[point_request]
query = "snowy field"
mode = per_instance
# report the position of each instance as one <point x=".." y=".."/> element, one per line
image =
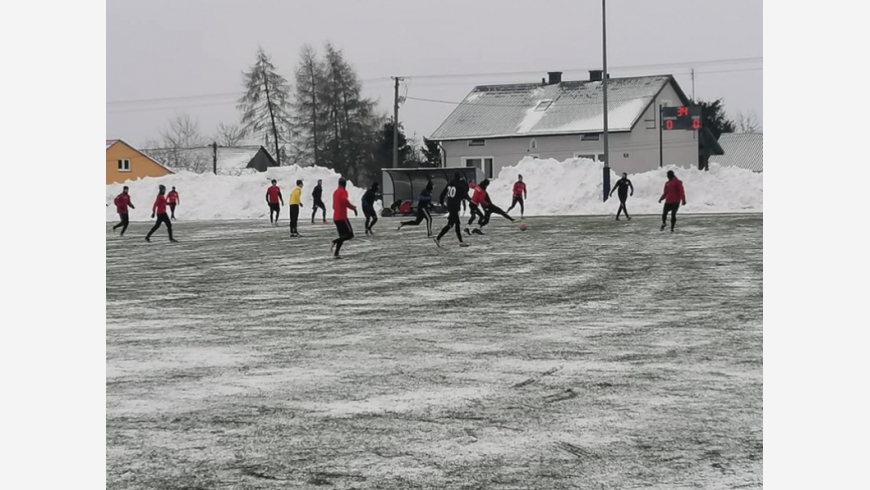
<point x="583" y="353"/>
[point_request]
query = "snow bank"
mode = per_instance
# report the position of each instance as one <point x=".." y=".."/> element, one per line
<point x="572" y="187"/>
<point x="575" y="187"/>
<point x="209" y="196"/>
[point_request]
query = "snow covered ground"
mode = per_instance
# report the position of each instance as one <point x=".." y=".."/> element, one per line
<point x="572" y="187"/>
<point x="584" y="352"/>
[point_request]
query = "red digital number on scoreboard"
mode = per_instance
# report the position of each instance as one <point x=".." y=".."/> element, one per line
<point x="669" y="124"/>
<point x="696" y="123"/>
<point x="682" y="111"/>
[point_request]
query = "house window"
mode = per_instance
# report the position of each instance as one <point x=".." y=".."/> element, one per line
<point x="533" y="145"/>
<point x="482" y="163"/>
<point x="123" y="165"/>
<point x="544" y="105"/>
<point x="592" y="156"/>
<point x="476" y="142"/>
<point x="590" y="137"/>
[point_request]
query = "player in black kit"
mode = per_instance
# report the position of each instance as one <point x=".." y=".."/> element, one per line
<point x="456" y="192"/>
<point x="623" y="185"/>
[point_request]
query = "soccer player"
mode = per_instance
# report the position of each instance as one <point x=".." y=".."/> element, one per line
<point x="159" y="209"/>
<point x="489" y="209"/>
<point x="475" y="203"/>
<point x="519" y="194"/>
<point x="273" y="196"/>
<point x="316" y="196"/>
<point x="340" y="205"/>
<point x="122" y="201"/>
<point x="424" y="203"/>
<point x="673" y="195"/>
<point x="172" y="199"/>
<point x="295" y="204"/>
<point x="455" y="192"/>
<point x="368" y="205"/>
<point x="623" y="185"/>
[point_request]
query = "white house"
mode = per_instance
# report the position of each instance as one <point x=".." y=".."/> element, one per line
<point x="497" y="125"/>
<point x="741" y="150"/>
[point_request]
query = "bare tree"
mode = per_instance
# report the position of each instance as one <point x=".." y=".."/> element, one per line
<point x="230" y="135"/>
<point x="180" y="146"/>
<point x="183" y="132"/>
<point x="747" y="123"/>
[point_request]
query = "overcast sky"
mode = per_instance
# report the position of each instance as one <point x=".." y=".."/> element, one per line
<point x="189" y="55"/>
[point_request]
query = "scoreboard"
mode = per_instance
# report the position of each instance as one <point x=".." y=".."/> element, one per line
<point x="681" y="117"/>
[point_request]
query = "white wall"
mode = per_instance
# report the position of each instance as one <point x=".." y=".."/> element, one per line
<point x="634" y="152"/>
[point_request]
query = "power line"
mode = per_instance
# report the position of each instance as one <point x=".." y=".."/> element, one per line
<point x="473" y="75"/>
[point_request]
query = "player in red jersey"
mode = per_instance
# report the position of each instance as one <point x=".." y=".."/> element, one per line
<point x="519" y="194"/>
<point x="173" y="200"/>
<point x="159" y="209"/>
<point x="273" y="197"/>
<point x="122" y="201"/>
<point x="673" y="195"/>
<point x="340" y="205"/>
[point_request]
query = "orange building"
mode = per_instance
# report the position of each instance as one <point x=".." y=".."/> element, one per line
<point x="123" y="162"/>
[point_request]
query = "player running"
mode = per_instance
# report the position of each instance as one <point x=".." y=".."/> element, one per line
<point x="318" y="202"/>
<point x="519" y="194"/>
<point x="623" y="185"/>
<point x="455" y="192"/>
<point x="340" y="205"/>
<point x="273" y="196"/>
<point x="368" y="205"/>
<point x="475" y="203"/>
<point x="159" y="209"/>
<point x="673" y="194"/>
<point x="489" y="209"/>
<point x="424" y="205"/>
<point x="122" y="201"/>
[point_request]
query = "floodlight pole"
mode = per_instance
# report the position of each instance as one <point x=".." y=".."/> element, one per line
<point x="604" y="85"/>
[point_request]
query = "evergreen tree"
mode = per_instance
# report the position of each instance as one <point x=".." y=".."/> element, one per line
<point x="350" y="120"/>
<point x="713" y="117"/>
<point x="309" y="120"/>
<point x="385" y="147"/>
<point x="265" y="105"/>
<point x="431" y="152"/>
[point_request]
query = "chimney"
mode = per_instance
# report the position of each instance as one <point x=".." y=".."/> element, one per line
<point x="595" y="75"/>
<point x="555" y="77"/>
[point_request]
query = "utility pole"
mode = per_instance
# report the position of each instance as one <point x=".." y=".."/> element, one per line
<point x="604" y="79"/>
<point x="396" y="123"/>
<point x="693" y="85"/>
<point x="214" y="156"/>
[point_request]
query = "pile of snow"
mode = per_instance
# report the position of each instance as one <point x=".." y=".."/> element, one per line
<point x="209" y="196"/>
<point x="572" y="187"/>
<point x="575" y="187"/>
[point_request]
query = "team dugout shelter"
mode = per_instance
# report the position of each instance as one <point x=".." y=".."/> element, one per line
<point x="401" y="187"/>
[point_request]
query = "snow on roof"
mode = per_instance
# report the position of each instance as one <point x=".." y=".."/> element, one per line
<point x="577" y="107"/>
<point x="109" y="143"/>
<point x="742" y="150"/>
<point x="227" y="158"/>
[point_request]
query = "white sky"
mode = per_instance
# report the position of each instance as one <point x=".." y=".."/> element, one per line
<point x="188" y="51"/>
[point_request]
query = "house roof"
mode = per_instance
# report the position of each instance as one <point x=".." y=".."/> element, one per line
<point x="110" y="143"/>
<point x="227" y="158"/>
<point x="492" y="111"/>
<point x="743" y="150"/>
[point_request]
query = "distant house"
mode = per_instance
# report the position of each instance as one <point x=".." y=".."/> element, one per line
<point x="742" y="150"/>
<point x="498" y="125"/>
<point x="123" y="162"/>
<point x="230" y="160"/>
